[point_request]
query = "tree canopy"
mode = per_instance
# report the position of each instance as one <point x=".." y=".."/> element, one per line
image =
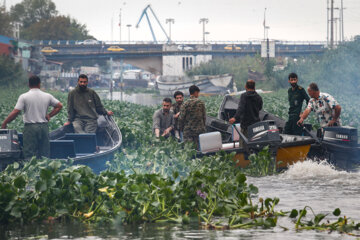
<point x="5" y="20"/>
<point x="39" y="19"/>
<point x="29" y="12"/>
<point x="59" y="28"/>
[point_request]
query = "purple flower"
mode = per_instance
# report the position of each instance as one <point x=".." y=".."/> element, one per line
<point x="203" y="195"/>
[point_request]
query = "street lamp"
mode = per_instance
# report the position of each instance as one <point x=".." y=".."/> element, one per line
<point x="129" y="26"/>
<point x="207" y="33"/>
<point x="170" y="21"/>
<point x="203" y="21"/>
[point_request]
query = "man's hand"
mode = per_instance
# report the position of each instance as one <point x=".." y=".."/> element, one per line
<point x="67" y="123"/>
<point x="232" y="120"/>
<point x="47" y="117"/>
<point x="177" y="115"/>
<point x="166" y="132"/>
<point x="300" y="122"/>
<point x="110" y="113"/>
<point x="332" y="122"/>
<point x="3" y="125"/>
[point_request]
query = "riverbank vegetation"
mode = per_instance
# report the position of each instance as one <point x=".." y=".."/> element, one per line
<point x="150" y="180"/>
<point x="40" y="20"/>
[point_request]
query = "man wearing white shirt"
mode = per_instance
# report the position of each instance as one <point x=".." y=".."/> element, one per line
<point x="35" y="104"/>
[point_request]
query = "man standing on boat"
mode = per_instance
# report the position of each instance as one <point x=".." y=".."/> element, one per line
<point x="296" y="96"/>
<point x="324" y="105"/>
<point x="35" y="104"/>
<point x="163" y="120"/>
<point x="192" y="117"/>
<point x="83" y="106"/>
<point x="179" y="98"/>
<point x="249" y="107"/>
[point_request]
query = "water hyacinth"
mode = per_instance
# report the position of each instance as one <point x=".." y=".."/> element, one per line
<point x="201" y="194"/>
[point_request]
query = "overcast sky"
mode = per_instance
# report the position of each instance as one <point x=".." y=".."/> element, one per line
<point x="233" y="20"/>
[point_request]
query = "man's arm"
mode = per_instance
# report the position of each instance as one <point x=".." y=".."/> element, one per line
<point x="306" y="96"/>
<point x="304" y="116"/>
<point x="55" y="111"/>
<point x="70" y="109"/>
<point x="10" y="118"/>
<point x="336" y="115"/>
<point x="99" y="107"/>
<point x="239" y="111"/>
<point x="182" y="117"/>
<point x="156" y="124"/>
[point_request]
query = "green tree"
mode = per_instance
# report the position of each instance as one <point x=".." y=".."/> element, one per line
<point x="5" y="20"/>
<point x="59" y="28"/>
<point x="29" y="12"/>
<point x="11" y="73"/>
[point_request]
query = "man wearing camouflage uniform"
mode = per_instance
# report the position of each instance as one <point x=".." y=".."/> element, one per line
<point x="192" y="117"/>
<point x="296" y="96"/>
<point x="83" y="106"/>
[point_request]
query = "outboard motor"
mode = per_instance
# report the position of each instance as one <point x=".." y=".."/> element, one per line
<point x="10" y="149"/>
<point x="263" y="134"/>
<point x="341" y="143"/>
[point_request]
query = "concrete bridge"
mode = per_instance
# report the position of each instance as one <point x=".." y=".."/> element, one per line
<point x="172" y="59"/>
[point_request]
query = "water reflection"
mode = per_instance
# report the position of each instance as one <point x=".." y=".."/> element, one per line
<point x="146" y="99"/>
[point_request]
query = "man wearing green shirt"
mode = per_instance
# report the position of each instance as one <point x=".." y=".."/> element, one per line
<point x="296" y="96"/>
<point x="84" y="106"/>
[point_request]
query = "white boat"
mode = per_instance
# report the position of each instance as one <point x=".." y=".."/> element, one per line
<point x="213" y="84"/>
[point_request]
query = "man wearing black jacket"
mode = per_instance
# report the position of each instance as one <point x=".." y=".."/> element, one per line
<point x="249" y="107"/>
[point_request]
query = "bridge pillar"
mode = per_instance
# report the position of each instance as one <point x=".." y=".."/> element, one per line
<point x="176" y="62"/>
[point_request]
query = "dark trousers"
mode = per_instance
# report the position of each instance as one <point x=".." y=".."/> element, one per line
<point x="85" y="125"/>
<point x="36" y="140"/>
<point x="291" y="126"/>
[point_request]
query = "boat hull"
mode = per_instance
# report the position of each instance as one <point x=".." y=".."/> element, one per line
<point x="207" y="84"/>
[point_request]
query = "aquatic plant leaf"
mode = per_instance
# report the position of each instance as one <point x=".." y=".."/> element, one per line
<point x="318" y="218"/>
<point x="294" y="213"/>
<point x="45" y="174"/>
<point x="19" y="182"/>
<point x="41" y="186"/>
<point x="337" y="212"/>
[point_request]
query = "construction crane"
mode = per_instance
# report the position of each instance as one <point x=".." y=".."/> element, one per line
<point x="148" y="20"/>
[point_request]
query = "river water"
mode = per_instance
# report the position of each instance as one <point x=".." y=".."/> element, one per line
<point x="309" y="183"/>
<point x="304" y="184"/>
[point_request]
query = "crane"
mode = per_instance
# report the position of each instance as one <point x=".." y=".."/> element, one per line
<point x="148" y="20"/>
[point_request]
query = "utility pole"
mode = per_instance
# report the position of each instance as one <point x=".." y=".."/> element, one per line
<point x="264" y="24"/>
<point x="120" y="24"/>
<point x="332" y="25"/>
<point x="129" y="26"/>
<point x="327" y="22"/>
<point x="170" y="21"/>
<point x="112" y="29"/>
<point x="204" y="21"/>
<point x="342" y="21"/>
<point x="111" y="79"/>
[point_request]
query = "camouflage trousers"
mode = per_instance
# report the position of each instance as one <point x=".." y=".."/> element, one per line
<point x="85" y="125"/>
<point x="192" y="138"/>
<point x="36" y="140"/>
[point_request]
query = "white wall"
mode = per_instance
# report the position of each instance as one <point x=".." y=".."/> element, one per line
<point x="176" y="65"/>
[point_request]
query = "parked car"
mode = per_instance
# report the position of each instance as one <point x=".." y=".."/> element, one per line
<point x="49" y="50"/>
<point x="115" y="49"/>
<point x="232" y="47"/>
<point x="89" y="42"/>
<point x="183" y="47"/>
